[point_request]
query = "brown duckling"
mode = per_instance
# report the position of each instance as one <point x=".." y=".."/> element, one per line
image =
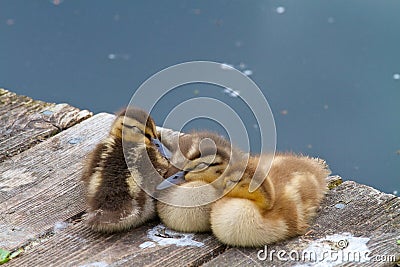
<point x="280" y="208"/>
<point x="115" y="198"/>
<point x="202" y="159"/>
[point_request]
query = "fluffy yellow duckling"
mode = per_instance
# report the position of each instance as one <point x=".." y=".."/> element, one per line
<point x="115" y="200"/>
<point x="201" y="164"/>
<point x="280" y="208"/>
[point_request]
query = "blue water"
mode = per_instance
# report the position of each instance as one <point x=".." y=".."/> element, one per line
<point x="329" y="69"/>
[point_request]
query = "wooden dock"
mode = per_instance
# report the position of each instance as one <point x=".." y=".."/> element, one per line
<point x="42" y="148"/>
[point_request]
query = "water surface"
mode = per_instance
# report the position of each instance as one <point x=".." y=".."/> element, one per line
<point x="329" y="69"/>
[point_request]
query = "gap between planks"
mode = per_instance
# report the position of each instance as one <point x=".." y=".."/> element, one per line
<point x="26" y="122"/>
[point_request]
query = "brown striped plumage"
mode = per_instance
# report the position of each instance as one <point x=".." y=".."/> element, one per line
<point x="114" y="198"/>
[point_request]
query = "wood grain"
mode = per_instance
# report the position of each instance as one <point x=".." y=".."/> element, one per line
<point x="40" y="186"/>
<point x="78" y="245"/>
<point x="25" y="122"/>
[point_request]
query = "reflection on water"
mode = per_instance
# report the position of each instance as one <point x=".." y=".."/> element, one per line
<point x="280" y="10"/>
<point x="230" y="92"/>
<point x="330" y="70"/>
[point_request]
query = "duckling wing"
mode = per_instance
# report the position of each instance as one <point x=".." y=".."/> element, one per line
<point x="92" y="161"/>
<point x="115" y="200"/>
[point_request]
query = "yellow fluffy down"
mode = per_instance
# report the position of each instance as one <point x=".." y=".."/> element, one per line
<point x="187" y="219"/>
<point x="237" y="222"/>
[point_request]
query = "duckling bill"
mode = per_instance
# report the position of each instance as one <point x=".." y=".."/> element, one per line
<point x="175" y="179"/>
<point x="115" y="198"/>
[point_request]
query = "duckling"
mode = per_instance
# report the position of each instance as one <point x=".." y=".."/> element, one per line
<point x="115" y="198"/>
<point x="280" y="208"/>
<point x="202" y="158"/>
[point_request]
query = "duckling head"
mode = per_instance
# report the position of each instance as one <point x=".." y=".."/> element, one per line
<point x="207" y="165"/>
<point x="136" y="126"/>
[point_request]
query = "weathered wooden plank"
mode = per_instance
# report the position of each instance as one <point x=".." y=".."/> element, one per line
<point x="24" y="122"/>
<point x="40" y="186"/>
<point x="78" y="245"/>
<point x="353" y="212"/>
<point x="41" y="190"/>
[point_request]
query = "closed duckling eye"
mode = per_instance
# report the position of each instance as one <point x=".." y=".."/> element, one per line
<point x="204" y="165"/>
<point x="133" y="127"/>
